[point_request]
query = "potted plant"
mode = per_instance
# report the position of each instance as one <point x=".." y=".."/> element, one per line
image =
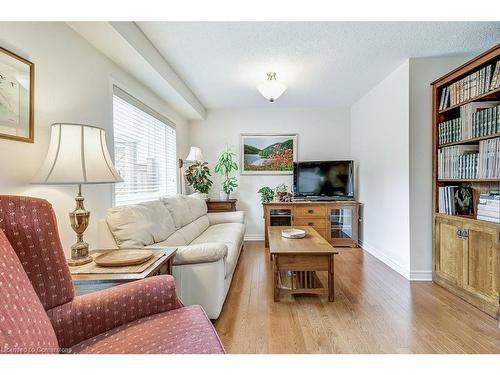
<point x="197" y="176"/>
<point x="266" y="194"/>
<point x="282" y="193"/>
<point x="225" y="166"/>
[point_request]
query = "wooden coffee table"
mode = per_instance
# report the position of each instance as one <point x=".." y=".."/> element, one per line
<point x="295" y="262"/>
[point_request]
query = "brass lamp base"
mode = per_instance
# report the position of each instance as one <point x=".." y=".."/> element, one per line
<point x="79" y="219"/>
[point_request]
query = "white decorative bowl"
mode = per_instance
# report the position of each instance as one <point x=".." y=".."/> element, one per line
<point x="293" y="233"/>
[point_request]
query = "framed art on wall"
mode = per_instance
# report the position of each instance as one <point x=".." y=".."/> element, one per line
<point x="16" y="97"/>
<point x="268" y="153"/>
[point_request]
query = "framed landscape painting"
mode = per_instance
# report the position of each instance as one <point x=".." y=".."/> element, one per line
<point x="16" y="97"/>
<point x="268" y="153"/>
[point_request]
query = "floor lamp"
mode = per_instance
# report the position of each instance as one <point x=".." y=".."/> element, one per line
<point x="194" y="155"/>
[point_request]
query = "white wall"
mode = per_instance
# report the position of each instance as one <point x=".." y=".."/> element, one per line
<point x="379" y="145"/>
<point x="422" y="72"/>
<point x="322" y="135"/>
<point x="72" y="84"/>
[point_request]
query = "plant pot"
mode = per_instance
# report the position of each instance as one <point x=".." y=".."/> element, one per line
<point x="224" y="196"/>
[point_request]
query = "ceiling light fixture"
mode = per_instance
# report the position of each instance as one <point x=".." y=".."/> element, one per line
<point x="271" y="89"/>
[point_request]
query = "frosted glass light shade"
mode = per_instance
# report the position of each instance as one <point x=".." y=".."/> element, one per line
<point x="77" y="155"/>
<point x="271" y="89"/>
<point x="195" y="154"/>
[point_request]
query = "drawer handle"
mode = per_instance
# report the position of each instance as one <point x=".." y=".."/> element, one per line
<point x="310" y="211"/>
<point x="310" y="223"/>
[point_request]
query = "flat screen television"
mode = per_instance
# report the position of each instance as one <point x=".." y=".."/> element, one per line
<point x="324" y="180"/>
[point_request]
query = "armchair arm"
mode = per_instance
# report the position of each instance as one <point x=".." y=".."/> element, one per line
<point x="91" y="314"/>
<point x="200" y="253"/>
<point x="226" y="217"/>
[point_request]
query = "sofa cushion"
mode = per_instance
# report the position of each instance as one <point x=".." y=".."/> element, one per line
<point x="229" y="233"/>
<point x="200" y="253"/>
<point x="197" y="206"/>
<point x="140" y="224"/>
<point x="192" y="230"/>
<point x="178" y="208"/>
<point x="24" y="325"/>
<point x="185" y="209"/>
<point x="185" y="330"/>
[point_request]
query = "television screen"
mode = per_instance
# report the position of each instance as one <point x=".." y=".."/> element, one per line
<point x="324" y="179"/>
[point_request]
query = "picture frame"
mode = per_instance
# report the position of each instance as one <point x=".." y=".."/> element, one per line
<point x="268" y="154"/>
<point x="17" y="87"/>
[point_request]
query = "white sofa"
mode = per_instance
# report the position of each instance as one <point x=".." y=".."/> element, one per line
<point x="209" y="244"/>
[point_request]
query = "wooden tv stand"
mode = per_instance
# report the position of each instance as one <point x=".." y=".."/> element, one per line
<point x="336" y="221"/>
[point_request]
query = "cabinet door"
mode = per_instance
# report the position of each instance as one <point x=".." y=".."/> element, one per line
<point x="482" y="261"/>
<point x="449" y="251"/>
<point x="342" y="225"/>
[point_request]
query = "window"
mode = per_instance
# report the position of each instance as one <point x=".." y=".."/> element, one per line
<point x="145" y="151"/>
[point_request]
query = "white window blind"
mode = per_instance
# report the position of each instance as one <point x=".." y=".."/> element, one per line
<point x="145" y="151"/>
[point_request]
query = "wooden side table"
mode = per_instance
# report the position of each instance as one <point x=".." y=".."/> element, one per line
<point x="216" y="205"/>
<point x="92" y="281"/>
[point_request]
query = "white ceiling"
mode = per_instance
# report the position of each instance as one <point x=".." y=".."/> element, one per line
<point x="324" y="64"/>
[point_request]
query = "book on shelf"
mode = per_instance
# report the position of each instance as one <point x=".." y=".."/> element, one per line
<point x="489" y="158"/>
<point x="495" y="81"/>
<point x="458" y="162"/>
<point x="455" y="200"/>
<point x="471" y="86"/>
<point x="486" y="122"/>
<point x="477" y="119"/>
<point x="488" y="208"/>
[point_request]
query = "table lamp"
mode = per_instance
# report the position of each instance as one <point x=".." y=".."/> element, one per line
<point x="77" y="155"/>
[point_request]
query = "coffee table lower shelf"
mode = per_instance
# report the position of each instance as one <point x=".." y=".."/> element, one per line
<point x="300" y="282"/>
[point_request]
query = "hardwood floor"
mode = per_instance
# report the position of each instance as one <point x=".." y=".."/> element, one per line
<point x="375" y="311"/>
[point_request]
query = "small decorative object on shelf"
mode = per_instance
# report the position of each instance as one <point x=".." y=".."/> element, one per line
<point x="225" y="167"/>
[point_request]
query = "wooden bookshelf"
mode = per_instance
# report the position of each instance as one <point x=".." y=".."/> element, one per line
<point x="466" y="251"/>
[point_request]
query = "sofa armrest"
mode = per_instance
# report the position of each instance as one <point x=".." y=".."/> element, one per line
<point x="226" y="217"/>
<point x="200" y="253"/>
<point x="91" y="314"/>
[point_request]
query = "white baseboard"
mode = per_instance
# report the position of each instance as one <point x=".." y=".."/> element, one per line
<point x="254" y="237"/>
<point x="403" y="271"/>
<point x="421" y="275"/>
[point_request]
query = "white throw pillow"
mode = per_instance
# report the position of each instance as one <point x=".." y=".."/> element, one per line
<point x="197" y="206"/>
<point x="140" y="224"/>
<point x="179" y="209"/>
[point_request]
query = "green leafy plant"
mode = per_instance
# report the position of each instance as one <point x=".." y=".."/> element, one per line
<point x="197" y="176"/>
<point x="224" y="167"/>
<point x="282" y="193"/>
<point x="266" y="194"/>
<point x="282" y="188"/>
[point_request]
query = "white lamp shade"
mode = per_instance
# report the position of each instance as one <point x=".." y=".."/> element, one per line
<point x="77" y="155"/>
<point x="195" y="154"/>
<point x="271" y="89"/>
